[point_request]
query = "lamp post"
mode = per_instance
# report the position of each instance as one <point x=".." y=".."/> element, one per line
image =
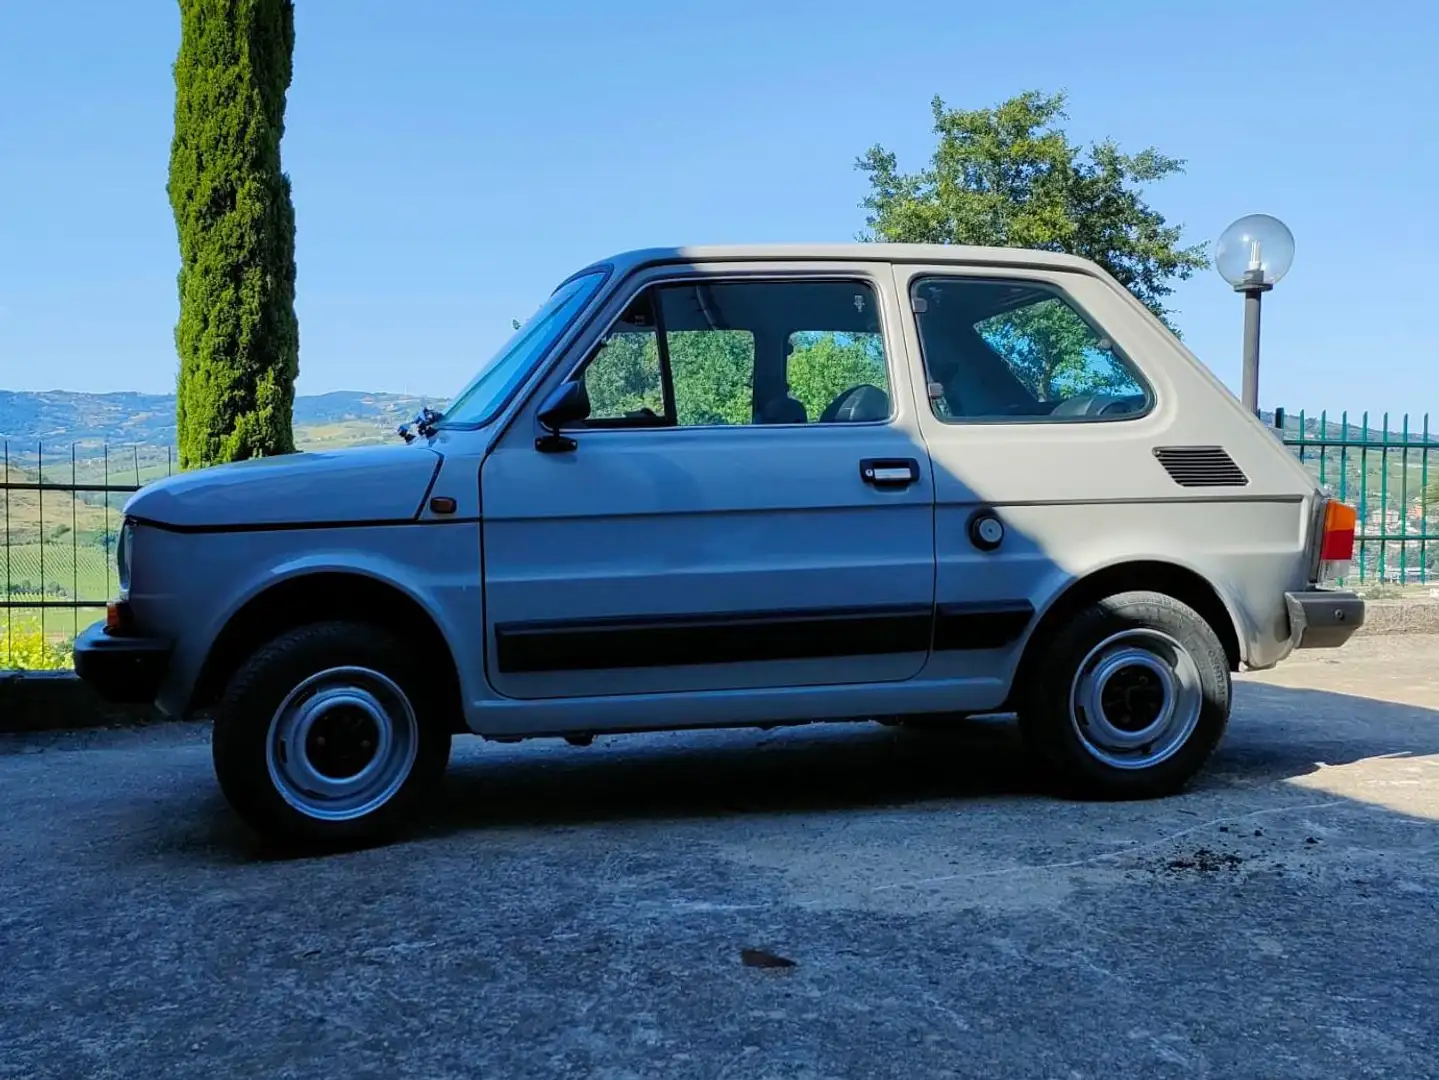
<point x="1252" y="255"/>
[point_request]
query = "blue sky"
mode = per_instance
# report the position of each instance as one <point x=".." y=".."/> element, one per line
<point x="452" y="161"/>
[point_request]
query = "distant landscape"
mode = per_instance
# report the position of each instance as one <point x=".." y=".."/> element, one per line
<point x="59" y="419"/>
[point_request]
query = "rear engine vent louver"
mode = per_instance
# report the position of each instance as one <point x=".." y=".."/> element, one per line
<point x="1200" y="466"/>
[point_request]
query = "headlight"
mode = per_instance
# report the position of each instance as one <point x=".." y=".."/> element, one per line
<point x="122" y="555"/>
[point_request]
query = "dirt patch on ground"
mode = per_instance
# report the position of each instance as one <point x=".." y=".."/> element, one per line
<point x="1204" y="861"/>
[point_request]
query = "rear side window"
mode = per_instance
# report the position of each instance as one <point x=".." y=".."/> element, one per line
<point x="997" y="351"/>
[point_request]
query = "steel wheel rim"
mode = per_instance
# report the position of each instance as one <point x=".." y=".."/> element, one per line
<point x="1136" y="699"/>
<point x="342" y="743"/>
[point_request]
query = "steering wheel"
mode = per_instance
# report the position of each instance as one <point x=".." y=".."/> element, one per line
<point x="859" y="404"/>
<point x="1094" y="405"/>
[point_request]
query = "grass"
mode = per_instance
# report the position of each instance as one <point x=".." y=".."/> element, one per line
<point x="31" y="517"/>
<point x="60" y="571"/>
<point x="341" y="434"/>
<point x="39" y="638"/>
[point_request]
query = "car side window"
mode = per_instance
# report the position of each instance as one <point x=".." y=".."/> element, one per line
<point x="1019" y="352"/>
<point x="739" y="353"/>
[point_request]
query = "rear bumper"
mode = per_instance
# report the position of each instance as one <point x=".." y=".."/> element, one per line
<point x="124" y="670"/>
<point x="1323" y="618"/>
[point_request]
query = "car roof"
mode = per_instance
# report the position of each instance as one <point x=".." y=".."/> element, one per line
<point x="953" y="254"/>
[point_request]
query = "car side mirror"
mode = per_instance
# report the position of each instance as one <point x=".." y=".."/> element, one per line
<point x="568" y="403"/>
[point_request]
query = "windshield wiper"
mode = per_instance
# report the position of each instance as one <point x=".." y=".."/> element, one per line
<point x="424" y="425"/>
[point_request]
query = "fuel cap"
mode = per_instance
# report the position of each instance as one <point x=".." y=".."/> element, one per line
<point x="986" y="531"/>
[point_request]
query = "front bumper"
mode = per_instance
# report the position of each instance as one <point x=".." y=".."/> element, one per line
<point x="123" y="669"/>
<point x="1323" y="618"/>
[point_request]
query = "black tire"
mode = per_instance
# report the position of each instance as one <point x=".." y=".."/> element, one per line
<point x="1084" y="749"/>
<point x="247" y="723"/>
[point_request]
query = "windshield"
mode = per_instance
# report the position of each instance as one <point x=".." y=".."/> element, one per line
<point x="497" y="379"/>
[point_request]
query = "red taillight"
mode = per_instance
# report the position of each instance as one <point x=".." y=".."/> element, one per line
<point x="1336" y="547"/>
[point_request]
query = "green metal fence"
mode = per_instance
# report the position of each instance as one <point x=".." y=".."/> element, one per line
<point x="1387" y="475"/>
<point x="59" y="516"/>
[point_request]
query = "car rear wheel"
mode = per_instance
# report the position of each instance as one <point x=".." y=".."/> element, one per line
<point x="1129" y="698"/>
<point x="329" y="735"/>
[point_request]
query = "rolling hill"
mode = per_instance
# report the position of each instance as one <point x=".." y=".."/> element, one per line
<point x="62" y="418"/>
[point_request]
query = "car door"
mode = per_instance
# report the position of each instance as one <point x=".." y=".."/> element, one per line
<point x="748" y="504"/>
<point x="1041" y="428"/>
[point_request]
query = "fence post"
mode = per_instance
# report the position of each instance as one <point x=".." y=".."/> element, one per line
<point x="1344" y="456"/>
<point x="1424" y="507"/>
<point x="40" y="476"/>
<point x="1363" y="488"/>
<point x="1383" y="498"/>
<point x="107" y="517"/>
<point x="1404" y="506"/>
<point x="1323" y="442"/>
<point x="74" y="546"/>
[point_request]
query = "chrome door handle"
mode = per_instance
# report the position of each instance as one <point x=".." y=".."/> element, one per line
<point x="889" y="472"/>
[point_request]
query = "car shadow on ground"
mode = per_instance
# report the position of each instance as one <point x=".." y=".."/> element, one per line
<point x="700" y="774"/>
<point x="1277" y="733"/>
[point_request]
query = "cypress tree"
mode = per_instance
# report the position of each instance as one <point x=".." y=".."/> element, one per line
<point x="237" y="335"/>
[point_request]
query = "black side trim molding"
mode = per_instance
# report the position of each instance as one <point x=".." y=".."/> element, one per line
<point x="737" y="637"/>
<point x="988" y="625"/>
<point x="753" y="636"/>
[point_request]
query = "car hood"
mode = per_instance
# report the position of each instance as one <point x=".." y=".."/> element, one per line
<point x="364" y="484"/>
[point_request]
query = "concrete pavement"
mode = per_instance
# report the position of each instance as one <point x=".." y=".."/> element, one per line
<point x="581" y="912"/>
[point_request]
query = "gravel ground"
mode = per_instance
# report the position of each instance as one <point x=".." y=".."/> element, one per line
<point x="585" y="912"/>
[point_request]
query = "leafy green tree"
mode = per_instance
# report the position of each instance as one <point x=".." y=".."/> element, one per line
<point x="237" y="335"/>
<point x="1009" y="176"/>
<point x="713" y="372"/>
<point x="714" y="376"/>
<point x="824" y="365"/>
<point x="624" y="378"/>
<point x="1054" y="353"/>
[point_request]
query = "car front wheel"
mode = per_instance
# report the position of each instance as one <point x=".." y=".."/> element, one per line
<point x="1129" y="698"/>
<point x="329" y="735"/>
